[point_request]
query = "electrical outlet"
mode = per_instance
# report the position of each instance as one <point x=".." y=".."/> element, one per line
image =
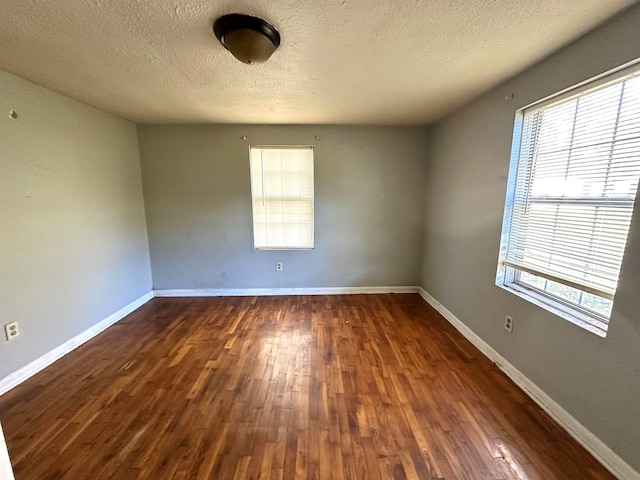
<point x="508" y="323"/>
<point x="279" y="266"/>
<point x="11" y="330"/>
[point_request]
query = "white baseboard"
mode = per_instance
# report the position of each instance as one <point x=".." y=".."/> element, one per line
<point x="261" y="292"/>
<point x="607" y="457"/>
<point x="16" y="378"/>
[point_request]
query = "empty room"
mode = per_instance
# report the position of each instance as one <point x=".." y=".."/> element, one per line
<point x="325" y="240"/>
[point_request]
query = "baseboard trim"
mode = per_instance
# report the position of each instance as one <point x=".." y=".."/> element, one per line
<point x="261" y="292"/>
<point x="16" y="378"/>
<point x="607" y="457"/>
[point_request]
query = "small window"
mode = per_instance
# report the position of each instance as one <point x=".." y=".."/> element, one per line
<point x="282" y="197"/>
<point x="572" y="185"/>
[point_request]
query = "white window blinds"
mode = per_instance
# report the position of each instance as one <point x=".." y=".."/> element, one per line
<point x="576" y="182"/>
<point x="282" y="197"/>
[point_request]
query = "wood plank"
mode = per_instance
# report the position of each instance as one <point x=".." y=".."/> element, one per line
<point x="335" y="387"/>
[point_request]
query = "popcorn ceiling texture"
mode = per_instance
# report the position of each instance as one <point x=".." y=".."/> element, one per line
<point x="395" y="62"/>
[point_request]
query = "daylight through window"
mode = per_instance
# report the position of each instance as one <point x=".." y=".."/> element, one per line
<point x="282" y="197"/>
<point x="573" y="182"/>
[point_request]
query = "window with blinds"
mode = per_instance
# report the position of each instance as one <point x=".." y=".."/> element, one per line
<point x="282" y="197"/>
<point x="571" y="196"/>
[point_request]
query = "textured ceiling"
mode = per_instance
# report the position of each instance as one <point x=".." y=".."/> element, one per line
<point x="403" y="62"/>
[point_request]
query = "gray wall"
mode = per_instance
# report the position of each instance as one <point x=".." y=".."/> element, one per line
<point x="597" y="380"/>
<point x="73" y="239"/>
<point x="368" y="207"/>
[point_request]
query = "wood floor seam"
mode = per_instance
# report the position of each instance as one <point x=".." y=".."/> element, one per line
<point x="375" y="386"/>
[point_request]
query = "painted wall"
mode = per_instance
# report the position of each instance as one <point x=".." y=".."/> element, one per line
<point x="73" y="239"/>
<point x="597" y="380"/>
<point x="368" y="207"/>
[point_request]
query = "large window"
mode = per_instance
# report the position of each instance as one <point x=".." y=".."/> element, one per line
<point x="282" y="197"/>
<point x="572" y="185"/>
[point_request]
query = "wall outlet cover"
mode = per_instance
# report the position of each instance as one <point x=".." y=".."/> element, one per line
<point x="11" y="330"/>
<point x="508" y="323"/>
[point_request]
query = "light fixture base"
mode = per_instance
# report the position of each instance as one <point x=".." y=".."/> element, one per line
<point x="249" y="39"/>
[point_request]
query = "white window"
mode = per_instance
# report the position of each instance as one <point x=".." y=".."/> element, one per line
<point x="282" y="197"/>
<point x="572" y="184"/>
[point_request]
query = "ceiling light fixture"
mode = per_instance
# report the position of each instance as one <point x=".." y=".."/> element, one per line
<point x="249" y="39"/>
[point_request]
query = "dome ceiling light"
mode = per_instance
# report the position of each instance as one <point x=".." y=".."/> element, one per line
<point x="249" y="39"/>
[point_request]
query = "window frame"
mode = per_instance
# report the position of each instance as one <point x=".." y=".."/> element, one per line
<point x="508" y="276"/>
<point x="253" y="223"/>
<point x="570" y="311"/>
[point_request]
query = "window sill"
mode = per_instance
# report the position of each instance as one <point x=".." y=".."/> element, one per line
<point x="561" y="310"/>
<point x="282" y="248"/>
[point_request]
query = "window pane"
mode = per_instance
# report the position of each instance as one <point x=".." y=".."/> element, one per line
<point x="532" y="280"/>
<point x="282" y="191"/>
<point x="572" y="187"/>
<point x="563" y="291"/>
<point x="600" y="305"/>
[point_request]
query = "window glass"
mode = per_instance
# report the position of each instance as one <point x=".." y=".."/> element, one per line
<point x="572" y="186"/>
<point x="282" y="197"/>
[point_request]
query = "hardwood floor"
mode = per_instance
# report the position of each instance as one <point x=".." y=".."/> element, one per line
<point x="354" y="386"/>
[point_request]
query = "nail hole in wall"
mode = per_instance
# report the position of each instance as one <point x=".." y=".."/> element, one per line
<point x="13" y="114"/>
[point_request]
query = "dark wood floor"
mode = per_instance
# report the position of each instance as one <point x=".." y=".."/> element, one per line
<point x="354" y="386"/>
